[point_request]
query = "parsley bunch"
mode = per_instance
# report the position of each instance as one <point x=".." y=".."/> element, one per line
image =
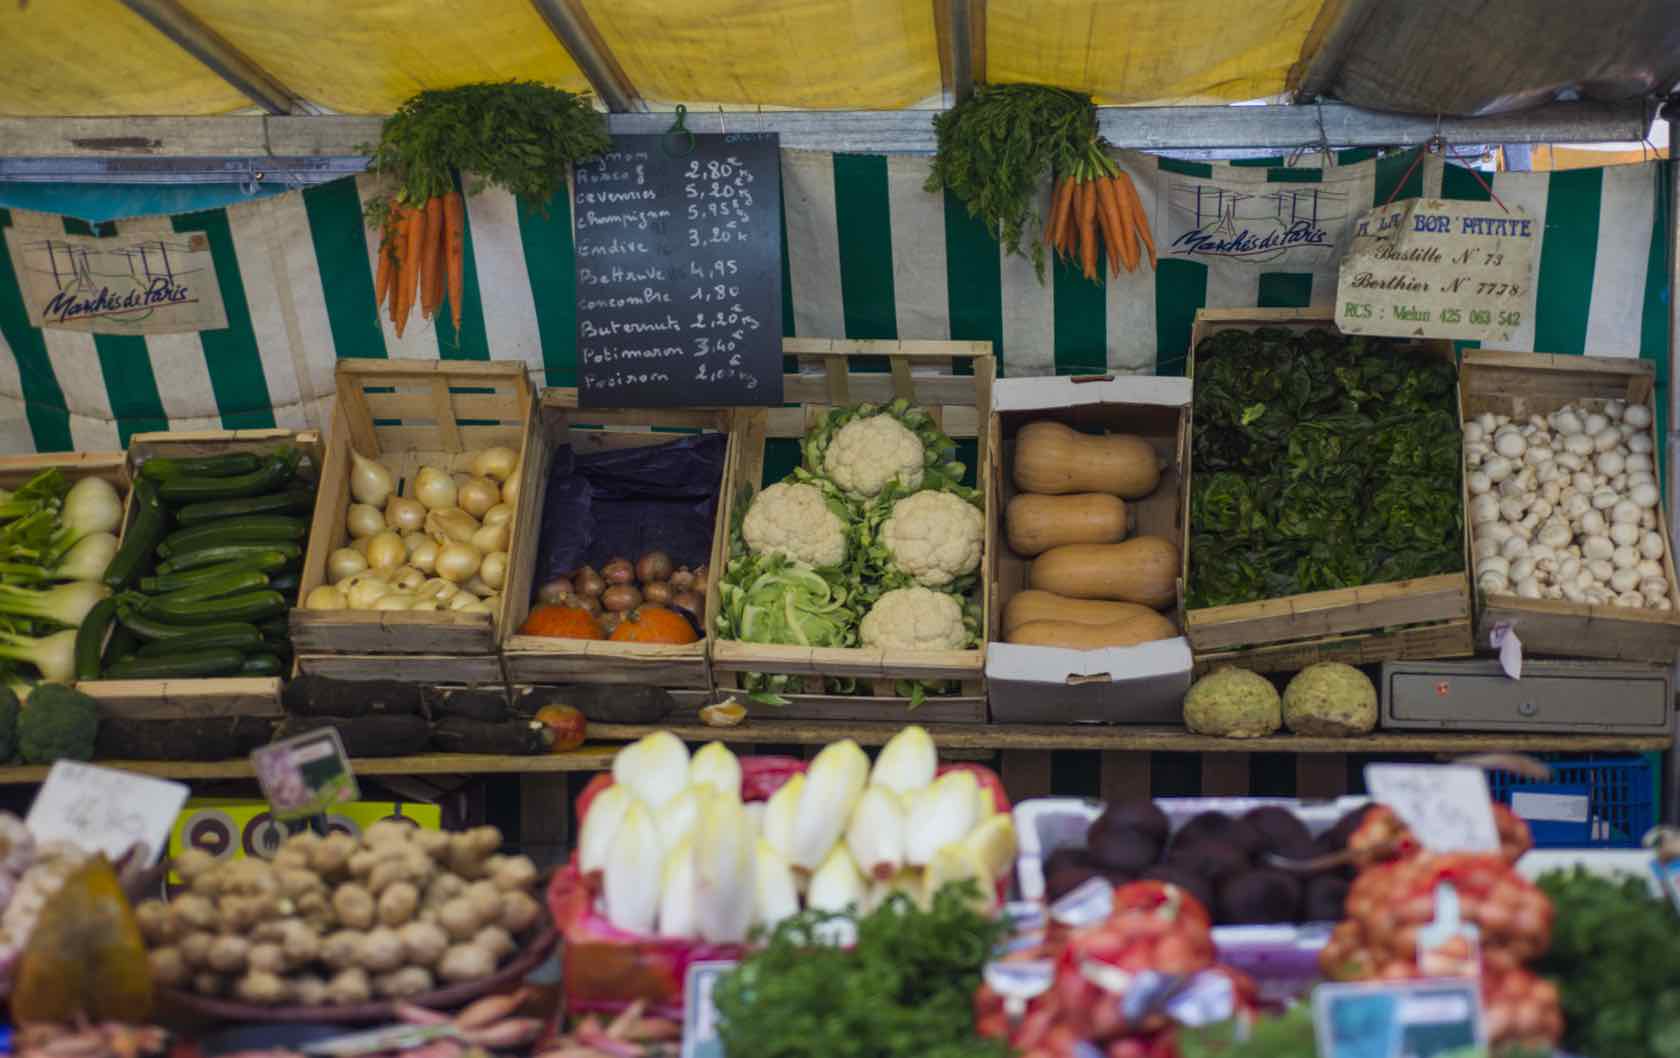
<point x="905" y="988"/>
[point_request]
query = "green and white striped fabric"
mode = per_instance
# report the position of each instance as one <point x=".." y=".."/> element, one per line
<point x="869" y="254"/>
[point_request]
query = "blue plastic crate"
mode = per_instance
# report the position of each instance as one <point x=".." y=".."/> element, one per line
<point x="1590" y="802"/>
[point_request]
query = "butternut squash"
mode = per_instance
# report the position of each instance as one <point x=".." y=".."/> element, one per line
<point x="1036" y="524"/>
<point x="1146" y="627"/>
<point x="1054" y="459"/>
<point x="1027" y="606"/>
<point x="1141" y="570"/>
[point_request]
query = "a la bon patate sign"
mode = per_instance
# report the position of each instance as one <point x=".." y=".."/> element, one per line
<point x="1439" y="268"/>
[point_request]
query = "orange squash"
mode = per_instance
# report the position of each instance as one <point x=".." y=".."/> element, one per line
<point x="652" y="623"/>
<point x="562" y="622"/>
<point x="1143" y="570"/>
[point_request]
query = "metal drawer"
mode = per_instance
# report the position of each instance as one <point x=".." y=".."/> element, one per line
<point x="1583" y="696"/>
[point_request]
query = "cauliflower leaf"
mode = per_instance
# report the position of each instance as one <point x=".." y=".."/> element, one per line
<point x="866" y="448"/>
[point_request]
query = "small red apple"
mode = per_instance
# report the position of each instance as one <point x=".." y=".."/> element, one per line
<point x="566" y="724"/>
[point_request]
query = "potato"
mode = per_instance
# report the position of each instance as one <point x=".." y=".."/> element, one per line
<point x="423" y="943"/>
<point x="260" y="986"/>
<point x="460" y="918"/>
<point x="192" y="911"/>
<point x="192" y="863"/>
<point x="267" y="958"/>
<point x="466" y="962"/>
<point x="398" y="904"/>
<point x="353" y="905"/>
<point x="519" y="912"/>
<point x="169" y="967"/>
<point x="195" y="949"/>
<point x="404" y="983"/>
<point x="349" y="986"/>
<point x="495" y="940"/>
<point x="155" y="922"/>
<point x="228" y="954"/>
<point x="331" y="857"/>
<point x="509" y="873"/>
<point x="381" y="951"/>
<point x="339" y="950"/>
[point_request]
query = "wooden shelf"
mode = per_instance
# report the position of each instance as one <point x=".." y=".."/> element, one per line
<point x="587" y="759"/>
<point x="1130" y="739"/>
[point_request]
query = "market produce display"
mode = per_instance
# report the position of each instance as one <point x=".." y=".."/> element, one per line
<point x="1564" y="506"/>
<point x="674" y="850"/>
<point x="442" y="547"/>
<point x="521" y="135"/>
<point x="207" y="570"/>
<point x="57" y="541"/>
<point x="1395" y="896"/>
<point x="1320" y="461"/>
<point x="340" y="920"/>
<point x="1615" y="957"/>
<point x="873" y="541"/>
<point x="1226" y="862"/>
<point x="646" y="601"/>
<point x="1327" y="699"/>
<point x="1152" y="927"/>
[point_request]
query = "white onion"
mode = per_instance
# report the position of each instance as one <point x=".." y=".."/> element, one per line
<point x="363" y="521"/>
<point x="345" y="562"/>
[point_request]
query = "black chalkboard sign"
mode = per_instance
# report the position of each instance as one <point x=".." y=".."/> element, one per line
<point x="680" y="272"/>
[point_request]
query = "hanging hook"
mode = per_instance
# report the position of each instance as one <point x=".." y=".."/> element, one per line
<point x="678" y="128"/>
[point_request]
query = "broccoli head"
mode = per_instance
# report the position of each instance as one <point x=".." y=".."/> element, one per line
<point x="59" y="723"/>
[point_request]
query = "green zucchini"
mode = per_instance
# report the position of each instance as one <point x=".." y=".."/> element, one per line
<point x="213" y="588"/>
<point x="225" y="553"/>
<point x="274" y="472"/>
<point x="233" y="634"/>
<point x="250" y="529"/>
<point x="262" y="663"/>
<point x="90" y="637"/>
<point x="229" y="464"/>
<point x="271" y="562"/>
<point x="217" y="661"/>
<point x="250" y="606"/>
<point x="286" y="583"/>
<point x="122" y="644"/>
<point x="276" y="628"/>
<point x="295" y="500"/>
<point x="150" y="628"/>
<point x="151" y="521"/>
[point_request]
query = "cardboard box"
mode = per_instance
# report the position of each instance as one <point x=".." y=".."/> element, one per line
<point x="1143" y="684"/>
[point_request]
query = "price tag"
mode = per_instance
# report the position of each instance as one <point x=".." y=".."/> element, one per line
<point x="106" y="810"/>
<point x="1413" y="1019"/>
<point x="305" y="775"/>
<point x="1446" y="806"/>
<point x="700" y="1017"/>
<point x="1438" y="268"/>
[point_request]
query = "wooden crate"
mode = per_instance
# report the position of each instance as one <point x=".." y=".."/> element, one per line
<point x="1522" y="384"/>
<point x="174" y="699"/>
<point x="408" y="414"/>
<point x="1444" y="639"/>
<point x="923" y="372"/>
<point x="1235" y="631"/>
<point x="546" y="660"/>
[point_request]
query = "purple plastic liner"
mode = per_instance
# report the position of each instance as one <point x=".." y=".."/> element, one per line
<point x="628" y="501"/>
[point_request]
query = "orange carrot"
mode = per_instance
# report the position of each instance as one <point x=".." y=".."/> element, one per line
<point x="382" y="274"/>
<point x="1061" y="207"/>
<point x="414" y="231"/>
<point x="1088" y="230"/>
<point x="397" y="235"/>
<point x="455" y="226"/>
<point x="1128" y="192"/>
<point x="1121" y="219"/>
<point x="1113" y="234"/>
<point x="430" y="286"/>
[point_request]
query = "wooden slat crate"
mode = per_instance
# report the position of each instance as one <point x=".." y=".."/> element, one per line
<point x="174" y="699"/>
<point x="547" y="660"/>
<point x="1443" y="639"/>
<point x="408" y="414"/>
<point x="923" y="372"/>
<point x="1523" y="384"/>
<point x="1236" y="631"/>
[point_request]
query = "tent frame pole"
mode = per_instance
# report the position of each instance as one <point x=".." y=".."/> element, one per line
<point x="1671" y="112"/>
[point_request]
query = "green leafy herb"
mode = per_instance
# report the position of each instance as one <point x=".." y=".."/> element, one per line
<point x="1320" y="461"/>
<point x="1615" y="956"/>
<point x="905" y="988"/>
<point x="519" y="135"/>
<point x="1290" y="1035"/>
<point x="997" y="146"/>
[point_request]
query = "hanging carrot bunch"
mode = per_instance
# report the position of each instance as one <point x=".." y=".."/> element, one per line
<point x="1095" y="199"/>
<point x="520" y="136"/>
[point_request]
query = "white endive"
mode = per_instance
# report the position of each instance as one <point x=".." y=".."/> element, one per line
<point x="907" y="762"/>
<point x="985" y="805"/>
<point x="993" y="844"/>
<point x="908" y="881"/>
<point x="634" y="866"/>
<point x="958" y="862"/>
<point x="714" y="764"/>
<point x="779" y="813"/>
<point x="676" y="818"/>
<point x="676" y="892"/>
<point x="775" y="896"/>
<point x="755" y="816"/>
<point x="875" y="834"/>
<point x="654" y="767"/>
<point x="939" y="815"/>
<point x="837" y="885"/>
<point x="723" y="871"/>
<point x="600" y="826"/>
<point x="836" y="777"/>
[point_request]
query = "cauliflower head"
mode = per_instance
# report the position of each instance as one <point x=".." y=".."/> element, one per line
<point x="866" y="455"/>
<point x="1233" y="703"/>
<point x="934" y="537"/>
<point x="1332" y="699"/>
<point x="795" y="520"/>
<point x="915" y="619"/>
